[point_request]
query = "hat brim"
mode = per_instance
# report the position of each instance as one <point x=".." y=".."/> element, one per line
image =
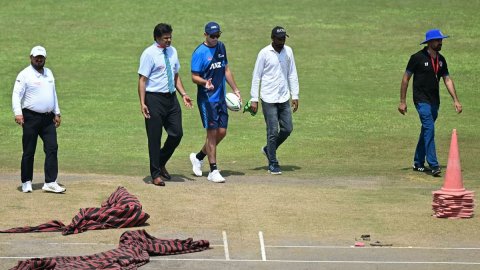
<point x="211" y="33"/>
<point x="281" y="35"/>
<point x="432" y="38"/>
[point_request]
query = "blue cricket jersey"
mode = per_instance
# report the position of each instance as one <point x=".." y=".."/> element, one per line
<point x="210" y="63"/>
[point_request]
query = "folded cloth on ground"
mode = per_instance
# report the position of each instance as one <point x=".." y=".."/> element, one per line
<point x="120" y="210"/>
<point x="134" y="250"/>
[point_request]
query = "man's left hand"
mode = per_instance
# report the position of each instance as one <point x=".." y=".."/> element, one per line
<point x="458" y="107"/>
<point x="57" y="120"/>
<point x="187" y="101"/>
<point x="295" y="105"/>
<point x="237" y="93"/>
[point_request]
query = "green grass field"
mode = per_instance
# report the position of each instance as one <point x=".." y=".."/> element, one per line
<point x="350" y="57"/>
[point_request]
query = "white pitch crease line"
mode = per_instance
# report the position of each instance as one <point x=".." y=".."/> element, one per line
<point x="73" y="243"/>
<point x="273" y="246"/>
<point x="225" y="246"/>
<point x="262" y="246"/>
<point x="93" y="244"/>
<point x="373" y="247"/>
<point x="288" y="261"/>
<point x="303" y="261"/>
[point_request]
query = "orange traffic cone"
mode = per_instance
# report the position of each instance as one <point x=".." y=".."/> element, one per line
<point x="452" y="200"/>
<point x="453" y="177"/>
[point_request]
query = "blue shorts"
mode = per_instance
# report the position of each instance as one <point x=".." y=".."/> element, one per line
<point x="213" y="114"/>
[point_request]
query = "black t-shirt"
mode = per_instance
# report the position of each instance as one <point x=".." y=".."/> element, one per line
<point x="425" y="81"/>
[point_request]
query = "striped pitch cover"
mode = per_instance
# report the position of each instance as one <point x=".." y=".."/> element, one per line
<point x="120" y="210"/>
<point x="134" y="250"/>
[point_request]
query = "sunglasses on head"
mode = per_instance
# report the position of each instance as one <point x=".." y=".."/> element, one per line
<point x="214" y="36"/>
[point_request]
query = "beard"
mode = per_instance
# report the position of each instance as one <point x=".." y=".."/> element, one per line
<point x="38" y="65"/>
<point x="278" y="47"/>
<point x="437" y="48"/>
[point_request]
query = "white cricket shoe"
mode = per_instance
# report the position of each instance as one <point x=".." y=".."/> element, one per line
<point x="27" y="187"/>
<point x="53" y="187"/>
<point x="215" y="176"/>
<point x="196" y="164"/>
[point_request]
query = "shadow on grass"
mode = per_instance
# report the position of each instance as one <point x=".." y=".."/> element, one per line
<point x="175" y="178"/>
<point x="285" y="168"/>
<point x="226" y="173"/>
<point x="427" y="171"/>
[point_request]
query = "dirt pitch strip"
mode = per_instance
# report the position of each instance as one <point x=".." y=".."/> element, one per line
<point x="266" y="256"/>
<point x="239" y="246"/>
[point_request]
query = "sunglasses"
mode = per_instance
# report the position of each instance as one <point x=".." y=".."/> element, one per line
<point x="214" y="36"/>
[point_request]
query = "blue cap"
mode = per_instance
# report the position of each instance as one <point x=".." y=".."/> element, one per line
<point x="212" y="28"/>
<point x="433" y="34"/>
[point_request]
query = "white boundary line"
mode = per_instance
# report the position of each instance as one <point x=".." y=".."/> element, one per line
<point x="262" y="246"/>
<point x="225" y="246"/>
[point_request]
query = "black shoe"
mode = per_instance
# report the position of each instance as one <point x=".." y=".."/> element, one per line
<point x="274" y="169"/>
<point x="164" y="173"/>
<point x="418" y="168"/>
<point x="436" y="171"/>
<point x="158" y="182"/>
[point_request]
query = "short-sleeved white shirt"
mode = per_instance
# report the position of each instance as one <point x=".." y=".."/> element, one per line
<point x="152" y="66"/>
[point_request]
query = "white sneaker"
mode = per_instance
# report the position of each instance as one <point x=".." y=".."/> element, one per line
<point x="196" y="164"/>
<point x="27" y="187"/>
<point x="53" y="187"/>
<point x="215" y="176"/>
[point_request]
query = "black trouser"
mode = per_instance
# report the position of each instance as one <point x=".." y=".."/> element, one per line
<point x="39" y="124"/>
<point x="165" y="112"/>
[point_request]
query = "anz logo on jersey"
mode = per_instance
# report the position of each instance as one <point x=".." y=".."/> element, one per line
<point x="216" y="65"/>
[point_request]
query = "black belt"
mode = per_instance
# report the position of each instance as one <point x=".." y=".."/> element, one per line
<point x="162" y="94"/>
<point x="37" y="113"/>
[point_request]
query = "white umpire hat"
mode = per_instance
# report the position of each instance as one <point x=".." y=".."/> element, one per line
<point x="38" y="50"/>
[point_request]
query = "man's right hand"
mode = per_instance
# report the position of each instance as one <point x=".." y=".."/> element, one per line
<point x="145" y="111"/>
<point x="458" y="107"/>
<point x="402" y="108"/>
<point x="254" y="106"/>
<point x="209" y="85"/>
<point x="19" y="120"/>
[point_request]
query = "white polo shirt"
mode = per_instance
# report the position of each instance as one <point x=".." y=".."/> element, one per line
<point x="35" y="91"/>
<point x="152" y="66"/>
<point x="276" y="75"/>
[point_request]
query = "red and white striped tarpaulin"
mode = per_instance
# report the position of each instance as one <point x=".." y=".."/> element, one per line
<point x="134" y="250"/>
<point x="120" y="210"/>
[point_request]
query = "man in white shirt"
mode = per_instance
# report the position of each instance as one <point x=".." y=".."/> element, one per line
<point x="35" y="105"/>
<point x="276" y="76"/>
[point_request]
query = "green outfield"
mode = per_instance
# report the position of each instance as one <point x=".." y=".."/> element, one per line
<point x="350" y="57"/>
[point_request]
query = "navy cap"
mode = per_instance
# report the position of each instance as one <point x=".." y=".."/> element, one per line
<point x="279" y="31"/>
<point x="433" y="34"/>
<point x="212" y="28"/>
